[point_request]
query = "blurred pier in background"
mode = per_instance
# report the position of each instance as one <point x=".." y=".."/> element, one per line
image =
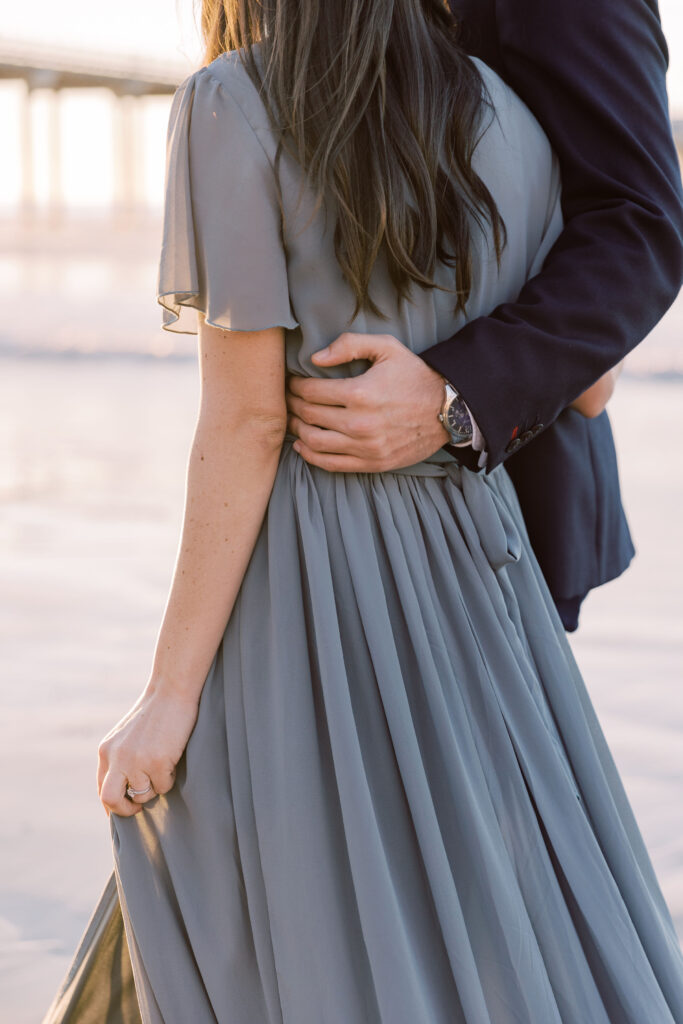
<point x="131" y="81"/>
<point x="49" y="72"/>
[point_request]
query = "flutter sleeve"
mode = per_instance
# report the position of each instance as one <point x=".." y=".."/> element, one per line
<point x="222" y="250"/>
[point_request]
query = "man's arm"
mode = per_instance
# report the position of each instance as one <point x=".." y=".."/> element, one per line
<point x="593" y="72"/>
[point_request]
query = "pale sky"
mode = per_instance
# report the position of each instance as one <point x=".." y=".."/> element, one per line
<point x="160" y="28"/>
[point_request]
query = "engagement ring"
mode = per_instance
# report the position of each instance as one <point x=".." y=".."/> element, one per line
<point x="137" y="792"/>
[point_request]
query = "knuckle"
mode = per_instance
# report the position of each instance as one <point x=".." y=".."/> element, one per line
<point x="364" y="425"/>
<point x="359" y="393"/>
<point x="352" y="385"/>
<point x="347" y="425"/>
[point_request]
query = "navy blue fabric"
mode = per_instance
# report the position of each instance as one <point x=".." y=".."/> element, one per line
<point x="568" y="485"/>
<point x="593" y="72"/>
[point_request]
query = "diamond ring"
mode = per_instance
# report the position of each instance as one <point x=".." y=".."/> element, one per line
<point x="137" y="792"/>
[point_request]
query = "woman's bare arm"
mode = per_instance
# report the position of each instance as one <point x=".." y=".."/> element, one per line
<point x="233" y="460"/>
<point x="232" y="466"/>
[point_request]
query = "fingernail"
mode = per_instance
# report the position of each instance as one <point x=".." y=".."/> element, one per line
<point x="296" y="446"/>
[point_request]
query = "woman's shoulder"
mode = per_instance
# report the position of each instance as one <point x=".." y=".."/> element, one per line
<point x="228" y="76"/>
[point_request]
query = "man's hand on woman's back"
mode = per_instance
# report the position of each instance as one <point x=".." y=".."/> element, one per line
<point x="383" y="419"/>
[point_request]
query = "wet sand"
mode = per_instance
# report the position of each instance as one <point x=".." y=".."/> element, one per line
<point x="92" y="457"/>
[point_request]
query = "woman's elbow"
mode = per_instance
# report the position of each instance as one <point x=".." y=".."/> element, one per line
<point x="270" y="429"/>
<point x="263" y="428"/>
<point x="257" y="430"/>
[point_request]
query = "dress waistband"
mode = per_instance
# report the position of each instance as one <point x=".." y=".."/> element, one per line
<point x="494" y="520"/>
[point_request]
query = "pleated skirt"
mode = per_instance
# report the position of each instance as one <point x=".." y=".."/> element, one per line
<point x="397" y="805"/>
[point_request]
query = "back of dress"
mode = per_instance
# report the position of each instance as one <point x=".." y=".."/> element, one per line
<point x="238" y="246"/>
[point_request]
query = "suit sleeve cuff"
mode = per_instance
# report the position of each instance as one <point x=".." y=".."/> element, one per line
<point x="478" y="442"/>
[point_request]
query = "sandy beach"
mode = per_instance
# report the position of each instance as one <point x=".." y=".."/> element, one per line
<point x="93" y="456"/>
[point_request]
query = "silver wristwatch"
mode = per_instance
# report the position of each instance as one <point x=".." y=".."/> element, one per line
<point x="455" y="417"/>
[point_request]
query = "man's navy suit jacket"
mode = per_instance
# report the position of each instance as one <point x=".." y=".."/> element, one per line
<point x="593" y="73"/>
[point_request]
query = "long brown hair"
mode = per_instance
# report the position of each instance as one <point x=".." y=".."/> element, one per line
<point x="383" y="110"/>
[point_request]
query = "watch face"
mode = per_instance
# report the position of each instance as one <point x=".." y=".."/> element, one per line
<point x="458" y="420"/>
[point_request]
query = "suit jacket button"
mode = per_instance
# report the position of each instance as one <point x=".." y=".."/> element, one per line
<point x="513" y="445"/>
<point x="537" y="428"/>
<point x="526" y="436"/>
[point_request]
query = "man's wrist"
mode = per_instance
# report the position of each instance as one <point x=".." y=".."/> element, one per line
<point x="455" y="416"/>
<point x="476" y="440"/>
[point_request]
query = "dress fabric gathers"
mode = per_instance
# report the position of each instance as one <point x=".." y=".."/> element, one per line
<point x="397" y="805"/>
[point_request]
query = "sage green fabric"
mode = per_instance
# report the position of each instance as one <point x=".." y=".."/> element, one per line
<point x="397" y="805"/>
<point x="99" y="987"/>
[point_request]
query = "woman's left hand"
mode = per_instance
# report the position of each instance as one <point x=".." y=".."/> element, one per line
<point x="143" y="749"/>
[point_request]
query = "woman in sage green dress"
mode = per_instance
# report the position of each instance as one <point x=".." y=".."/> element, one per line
<point x="364" y="783"/>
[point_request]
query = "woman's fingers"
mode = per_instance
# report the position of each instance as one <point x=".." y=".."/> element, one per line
<point x="163" y="781"/>
<point x="113" y="795"/>
<point x="146" y="786"/>
<point x="126" y="795"/>
<point x="140" y="788"/>
<point x="101" y="772"/>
